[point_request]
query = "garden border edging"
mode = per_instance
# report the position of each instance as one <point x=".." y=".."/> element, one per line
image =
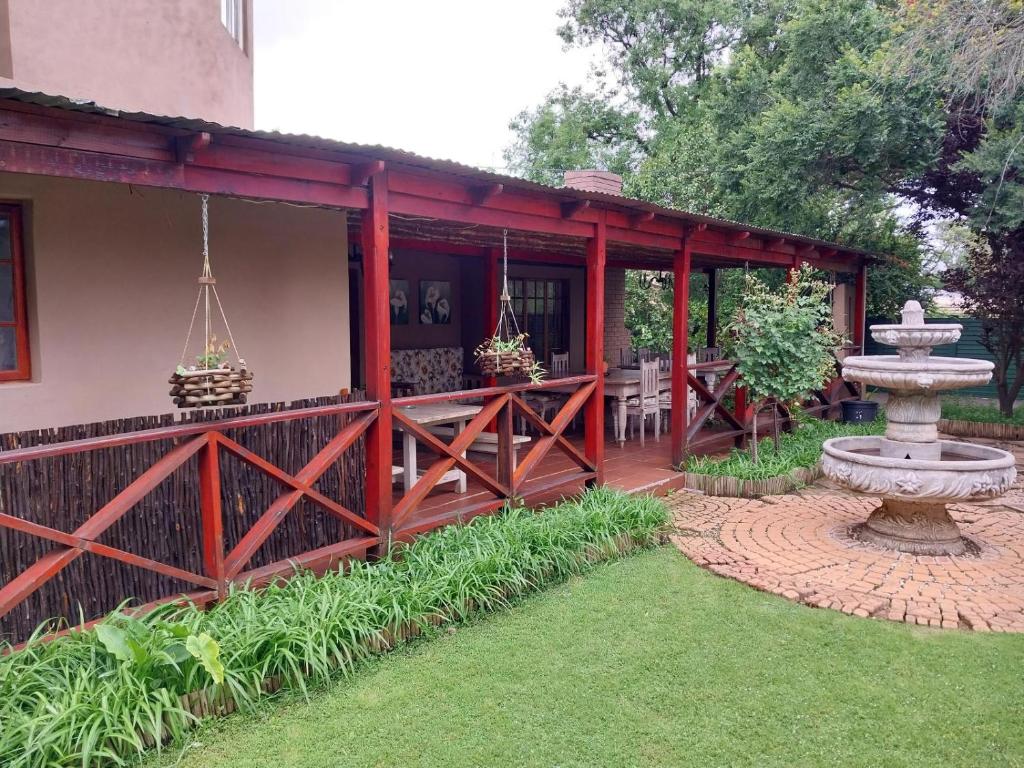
<point x="988" y="429"/>
<point x="728" y="485"/>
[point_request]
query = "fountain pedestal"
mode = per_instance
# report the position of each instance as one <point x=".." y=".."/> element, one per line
<point x="914" y="472"/>
<point x="918" y="527"/>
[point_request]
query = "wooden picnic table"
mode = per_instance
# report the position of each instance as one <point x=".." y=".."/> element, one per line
<point x="434" y="414"/>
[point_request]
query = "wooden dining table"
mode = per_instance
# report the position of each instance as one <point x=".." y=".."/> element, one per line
<point x="621" y="384"/>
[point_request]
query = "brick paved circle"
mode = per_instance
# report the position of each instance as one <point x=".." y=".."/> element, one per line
<point x="798" y="546"/>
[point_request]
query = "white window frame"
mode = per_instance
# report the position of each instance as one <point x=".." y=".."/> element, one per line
<point x="232" y="16"/>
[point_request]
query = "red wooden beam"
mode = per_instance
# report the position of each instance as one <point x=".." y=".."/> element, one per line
<point x="737" y="237"/>
<point x="435" y="246"/>
<point x="53" y="562"/>
<point x="434" y="208"/>
<point x="641" y="217"/>
<point x="572" y="208"/>
<point x="680" y="331"/>
<point x="177" y="431"/>
<point x="487" y="392"/>
<point x="185" y="147"/>
<point x="308" y="475"/>
<point x="362" y="173"/>
<point x="377" y="345"/>
<point x="593" y="417"/>
<point x="775" y="243"/>
<point x="482" y="193"/>
<point x="643" y="239"/>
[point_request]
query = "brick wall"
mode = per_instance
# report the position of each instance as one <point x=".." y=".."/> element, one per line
<point x="616" y="337"/>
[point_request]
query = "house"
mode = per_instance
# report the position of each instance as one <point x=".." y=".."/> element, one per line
<point x="340" y="266"/>
<point x="192" y="58"/>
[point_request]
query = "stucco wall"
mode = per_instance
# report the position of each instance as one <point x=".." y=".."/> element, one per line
<point x="169" y="58"/>
<point x="112" y="283"/>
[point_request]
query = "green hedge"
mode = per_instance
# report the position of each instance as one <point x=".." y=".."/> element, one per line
<point x="108" y="694"/>
<point x="964" y="410"/>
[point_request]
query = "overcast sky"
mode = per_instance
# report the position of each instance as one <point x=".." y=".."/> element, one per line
<point x="440" y="77"/>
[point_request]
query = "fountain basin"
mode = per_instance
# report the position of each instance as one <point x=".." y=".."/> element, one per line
<point x="931" y="335"/>
<point x="934" y="374"/>
<point x="963" y="472"/>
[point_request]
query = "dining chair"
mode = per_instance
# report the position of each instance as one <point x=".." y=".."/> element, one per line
<point x="647" y="403"/>
<point x="665" y="398"/>
<point x="545" y="402"/>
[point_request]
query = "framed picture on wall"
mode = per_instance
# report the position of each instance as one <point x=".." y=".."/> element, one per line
<point x="398" y="296"/>
<point x="435" y="302"/>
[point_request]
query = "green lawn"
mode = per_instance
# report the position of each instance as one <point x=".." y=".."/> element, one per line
<point x="651" y="661"/>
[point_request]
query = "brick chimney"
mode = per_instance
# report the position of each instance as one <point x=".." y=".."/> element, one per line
<point x="591" y="180"/>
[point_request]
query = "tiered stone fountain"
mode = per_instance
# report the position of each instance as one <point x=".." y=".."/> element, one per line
<point x="914" y="472"/>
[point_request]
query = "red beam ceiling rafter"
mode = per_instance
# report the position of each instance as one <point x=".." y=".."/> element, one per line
<point x="35" y="140"/>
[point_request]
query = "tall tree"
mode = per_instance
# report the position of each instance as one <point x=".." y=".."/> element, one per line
<point x="776" y="112"/>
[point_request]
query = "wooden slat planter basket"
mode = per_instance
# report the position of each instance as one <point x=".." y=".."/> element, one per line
<point x="991" y="430"/>
<point x="493" y="363"/>
<point x="718" y="485"/>
<point x="210" y="388"/>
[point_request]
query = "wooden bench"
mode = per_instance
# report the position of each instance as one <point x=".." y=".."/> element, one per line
<point x="487" y="442"/>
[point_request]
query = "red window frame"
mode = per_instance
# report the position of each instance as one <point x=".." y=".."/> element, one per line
<point x="13" y="213"/>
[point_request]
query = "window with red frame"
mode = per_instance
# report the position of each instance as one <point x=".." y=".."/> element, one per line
<point x="14" y="352"/>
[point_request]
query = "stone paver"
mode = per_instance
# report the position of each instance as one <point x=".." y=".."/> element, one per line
<point x="799" y="546"/>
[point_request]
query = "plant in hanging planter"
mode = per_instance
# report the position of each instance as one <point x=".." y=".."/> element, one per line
<point x="215" y="355"/>
<point x="213" y="381"/>
<point x="508" y="357"/>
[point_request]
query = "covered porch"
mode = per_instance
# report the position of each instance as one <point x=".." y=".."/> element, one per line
<point x="374" y="212"/>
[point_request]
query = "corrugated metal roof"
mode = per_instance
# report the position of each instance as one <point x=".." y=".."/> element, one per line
<point x="409" y="159"/>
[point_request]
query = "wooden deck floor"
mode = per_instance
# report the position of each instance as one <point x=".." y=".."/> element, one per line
<point x="630" y="468"/>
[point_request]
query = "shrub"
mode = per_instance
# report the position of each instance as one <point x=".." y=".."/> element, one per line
<point x="800" y="448"/>
<point x="107" y="694"/>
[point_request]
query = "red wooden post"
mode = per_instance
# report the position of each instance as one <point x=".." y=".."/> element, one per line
<point x="378" y="354"/>
<point x="741" y="410"/>
<point x="680" y="330"/>
<point x="211" y="513"/>
<point x="593" y="416"/>
<point x="505" y="460"/>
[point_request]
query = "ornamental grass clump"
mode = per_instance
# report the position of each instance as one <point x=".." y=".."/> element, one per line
<point x="103" y="696"/>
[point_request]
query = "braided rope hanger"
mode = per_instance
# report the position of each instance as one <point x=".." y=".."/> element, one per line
<point x="506" y="314"/>
<point x="207" y="283"/>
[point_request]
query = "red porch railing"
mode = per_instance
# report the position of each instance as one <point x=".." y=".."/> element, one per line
<point x="208" y="442"/>
<point x="500" y="405"/>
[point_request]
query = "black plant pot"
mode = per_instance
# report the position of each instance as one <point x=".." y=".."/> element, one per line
<point x="859" y="411"/>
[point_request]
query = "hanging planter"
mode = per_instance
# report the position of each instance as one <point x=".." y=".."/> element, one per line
<point x="506" y="352"/>
<point x="498" y="357"/>
<point x="212" y="380"/>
